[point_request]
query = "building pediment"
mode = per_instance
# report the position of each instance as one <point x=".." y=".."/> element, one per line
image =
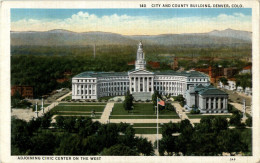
<point x="140" y="72"/>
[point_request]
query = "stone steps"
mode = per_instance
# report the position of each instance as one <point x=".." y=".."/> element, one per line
<point x="143" y="96"/>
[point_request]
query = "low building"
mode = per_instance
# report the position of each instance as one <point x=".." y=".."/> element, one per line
<point x="247" y="69"/>
<point x="24" y="91"/>
<point x="207" y="99"/>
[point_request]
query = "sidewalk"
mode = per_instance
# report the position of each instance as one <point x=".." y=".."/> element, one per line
<point x="59" y="99"/>
<point x="106" y="113"/>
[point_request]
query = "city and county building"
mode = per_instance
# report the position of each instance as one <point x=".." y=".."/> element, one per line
<point x="140" y="82"/>
<point x="207" y="99"/>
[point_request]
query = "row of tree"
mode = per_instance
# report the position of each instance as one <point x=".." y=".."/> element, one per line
<point x="211" y="137"/>
<point x="75" y="136"/>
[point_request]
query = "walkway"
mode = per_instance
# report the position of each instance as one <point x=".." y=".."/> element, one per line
<point x="106" y="113"/>
<point x="179" y="111"/>
<point x="59" y="99"/>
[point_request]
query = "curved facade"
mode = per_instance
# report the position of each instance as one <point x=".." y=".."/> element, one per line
<point x="140" y="82"/>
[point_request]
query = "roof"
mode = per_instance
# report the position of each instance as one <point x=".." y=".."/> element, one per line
<point x="99" y="74"/>
<point x="210" y="90"/>
<point x="182" y="73"/>
<point x="170" y="72"/>
<point x="247" y="67"/>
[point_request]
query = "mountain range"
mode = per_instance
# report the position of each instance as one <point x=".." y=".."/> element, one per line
<point x="60" y="37"/>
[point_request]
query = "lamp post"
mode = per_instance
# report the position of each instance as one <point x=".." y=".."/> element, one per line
<point x="36" y="111"/>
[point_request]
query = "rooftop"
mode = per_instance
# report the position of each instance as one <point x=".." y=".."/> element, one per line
<point x="209" y="90"/>
<point x="170" y="72"/>
<point x="182" y="73"/>
<point x="99" y="74"/>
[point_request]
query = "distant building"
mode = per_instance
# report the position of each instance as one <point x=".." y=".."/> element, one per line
<point x="140" y="82"/>
<point x="247" y="69"/>
<point x="231" y="84"/>
<point x="207" y="99"/>
<point x="24" y="91"/>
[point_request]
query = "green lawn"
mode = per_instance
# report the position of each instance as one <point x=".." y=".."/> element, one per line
<point x="81" y="103"/>
<point x="79" y="108"/>
<point x="145" y="124"/>
<point x="64" y="113"/>
<point x="140" y="109"/>
<point x="96" y="117"/>
<point x="198" y="116"/>
<point x="147" y="131"/>
<point x="143" y="117"/>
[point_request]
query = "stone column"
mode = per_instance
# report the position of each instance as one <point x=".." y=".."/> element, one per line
<point x="80" y="89"/>
<point x="143" y="85"/>
<point x="76" y="89"/>
<point x="147" y="84"/>
<point x="84" y="89"/>
<point x="152" y="84"/>
<point x="225" y="103"/>
<point x="219" y="103"/>
<point x="204" y="103"/>
<point x="138" y="85"/>
<point x="134" y="84"/>
<point x="130" y="84"/>
<point x="214" y="103"/>
<point x="209" y="102"/>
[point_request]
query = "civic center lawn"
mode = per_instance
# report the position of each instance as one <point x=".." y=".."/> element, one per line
<point x="79" y="109"/>
<point x="198" y="116"/>
<point x="140" y="111"/>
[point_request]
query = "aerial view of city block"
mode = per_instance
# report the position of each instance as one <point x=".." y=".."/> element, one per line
<point x="131" y="82"/>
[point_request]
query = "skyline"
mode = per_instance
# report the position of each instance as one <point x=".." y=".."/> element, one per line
<point x="132" y="21"/>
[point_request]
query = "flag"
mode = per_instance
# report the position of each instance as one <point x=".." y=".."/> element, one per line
<point x="160" y="102"/>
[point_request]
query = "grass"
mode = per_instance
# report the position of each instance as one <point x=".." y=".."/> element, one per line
<point x="147" y="131"/>
<point x="199" y="116"/>
<point x="143" y="117"/>
<point x="96" y="117"/>
<point x="140" y="109"/>
<point x="145" y="124"/>
<point x="86" y="103"/>
<point x="62" y="113"/>
<point x="78" y="108"/>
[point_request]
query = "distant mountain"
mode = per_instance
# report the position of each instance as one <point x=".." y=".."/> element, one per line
<point x="243" y="35"/>
<point x="60" y="37"/>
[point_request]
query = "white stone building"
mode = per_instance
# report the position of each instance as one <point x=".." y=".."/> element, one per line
<point x="140" y="82"/>
<point x="207" y="99"/>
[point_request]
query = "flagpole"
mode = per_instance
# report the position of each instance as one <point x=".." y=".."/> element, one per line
<point x="157" y="128"/>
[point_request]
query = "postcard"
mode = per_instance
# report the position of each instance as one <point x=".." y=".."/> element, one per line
<point x="130" y="81"/>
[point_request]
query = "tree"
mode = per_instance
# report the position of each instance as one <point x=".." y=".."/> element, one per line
<point x="169" y="106"/>
<point x="155" y="96"/>
<point x="249" y="121"/>
<point x="43" y="144"/>
<point x="128" y="103"/>
<point x="20" y="136"/>
<point x="180" y="99"/>
<point x="219" y="123"/>
<point x="223" y="80"/>
<point x="144" y="146"/>
<point x="119" y="150"/>
<point x="235" y="119"/>
<point x="230" y="141"/>
<point x="168" y="144"/>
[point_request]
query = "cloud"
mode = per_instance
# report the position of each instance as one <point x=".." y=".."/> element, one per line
<point x="136" y="25"/>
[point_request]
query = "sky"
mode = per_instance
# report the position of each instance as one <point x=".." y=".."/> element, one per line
<point x="132" y="21"/>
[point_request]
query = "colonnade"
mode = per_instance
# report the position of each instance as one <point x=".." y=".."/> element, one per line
<point x="141" y="84"/>
<point x="216" y="103"/>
